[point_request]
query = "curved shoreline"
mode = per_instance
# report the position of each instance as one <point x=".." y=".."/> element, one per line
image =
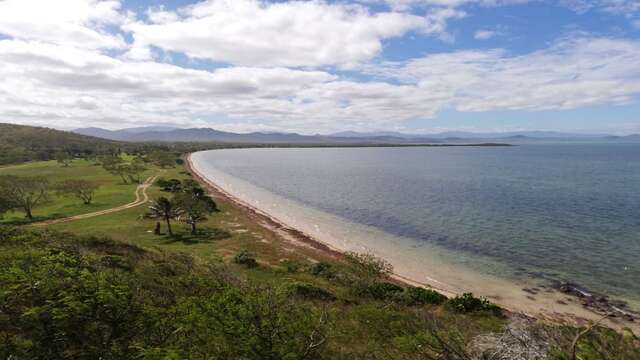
<point x="299" y="235"/>
<point x="575" y="312"/>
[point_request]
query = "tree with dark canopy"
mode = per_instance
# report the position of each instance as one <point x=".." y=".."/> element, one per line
<point x="63" y="158"/>
<point x="195" y="208"/>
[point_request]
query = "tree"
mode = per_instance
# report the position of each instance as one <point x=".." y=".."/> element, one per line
<point x="193" y="188"/>
<point x="114" y="165"/>
<point x="23" y="192"/>
<point x="134" y="169"/>
<point x="166" y="210"/>
<point x="195" y="208"/>
<point x="163" y="159"/>
<point x="171" y="185"/>
<point x="82" y="189"/>
<point x="63" y="158"/>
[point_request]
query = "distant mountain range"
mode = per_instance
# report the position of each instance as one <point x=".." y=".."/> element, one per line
<point x="168" y="134"/>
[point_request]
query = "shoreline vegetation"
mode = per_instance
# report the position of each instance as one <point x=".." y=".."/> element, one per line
<point x="597" y="307"/>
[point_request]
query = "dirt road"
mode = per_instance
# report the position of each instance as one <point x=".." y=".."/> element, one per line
<point x="141" y="198"/>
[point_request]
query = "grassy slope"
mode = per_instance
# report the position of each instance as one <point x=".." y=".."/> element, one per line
<point x="360" y="328"/>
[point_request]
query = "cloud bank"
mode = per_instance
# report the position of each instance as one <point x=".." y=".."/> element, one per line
<point x="90" y="62"/>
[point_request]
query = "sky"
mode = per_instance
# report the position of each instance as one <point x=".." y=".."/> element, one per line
<point x="413" y="66"/>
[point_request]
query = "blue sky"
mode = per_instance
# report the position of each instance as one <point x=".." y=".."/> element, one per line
<point x="415" y="66"/>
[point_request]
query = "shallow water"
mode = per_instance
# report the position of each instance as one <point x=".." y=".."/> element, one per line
<point x="558" y="212"/>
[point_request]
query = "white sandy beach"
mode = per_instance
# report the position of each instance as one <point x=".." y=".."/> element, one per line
<point x="415" y="262"/>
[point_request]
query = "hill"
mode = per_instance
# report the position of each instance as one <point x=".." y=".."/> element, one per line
<point x="169" y="134"/>
<point x="212" y="135"/>
<point x="19" y="143"/>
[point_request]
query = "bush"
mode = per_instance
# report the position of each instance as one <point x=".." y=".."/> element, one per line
<point x="323" y="269"/>
<point x="116" y="261"/>
<point x="379" y="291"/>
<point x="246" y="257"/>
<point x="250" y="323"/>
<point x="73" y="309"/>
<point x="293" y="266"/>
<point x="308" y="291"/>
<point x="422" y="296"/>
<point x="369" y="266"/>
<point x="467" y="303"/>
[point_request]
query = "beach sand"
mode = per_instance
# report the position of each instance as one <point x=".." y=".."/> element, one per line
<point x="411" y="266"/>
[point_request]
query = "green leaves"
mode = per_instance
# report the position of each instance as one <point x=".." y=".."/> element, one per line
<point x="64" y="306"/>
<point x="82" y="189"/>
<point x="24" y="192"/>
<point x="252" y="323"/>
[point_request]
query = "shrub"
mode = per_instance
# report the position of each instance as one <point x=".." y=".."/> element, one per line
<point x="422" y="296"/>
<point x="369" y="266"/>
<point x="116" y="261"/>
<point x="246" y="257"/>
<point x="293" y="266"/>
<point x="467" y="303"/>
<point x="323" y="269"/>
<point x="72" y="310"/>
<point x="308" y="291"/>
<point x="378" y="290"/>
<point x="250" y="323"/>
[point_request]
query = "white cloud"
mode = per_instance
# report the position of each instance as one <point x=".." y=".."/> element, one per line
<point x="48" y="84"/>
<point x="408" y="4"/>
<point x="570" y="74"/>
<point x="70" y="22"/>
<point x="55" y="69"/>
<point x="626" y="8"/>
<point x="484" y="34"/>
<point x="296" y="33"/>
<point x="623" y="7"/>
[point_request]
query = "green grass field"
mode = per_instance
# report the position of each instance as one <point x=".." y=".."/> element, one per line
<point x="112" y="192"/>
<point x="222" y="236"/>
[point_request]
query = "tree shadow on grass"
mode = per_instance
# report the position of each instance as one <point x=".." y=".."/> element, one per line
<point x="201" y="236"/>
<point x="27" y="221"/>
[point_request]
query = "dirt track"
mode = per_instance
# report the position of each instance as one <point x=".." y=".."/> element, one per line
<point x="141" y="198"/>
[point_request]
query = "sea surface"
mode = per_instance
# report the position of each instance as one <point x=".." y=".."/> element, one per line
<point x="539" y="213"/>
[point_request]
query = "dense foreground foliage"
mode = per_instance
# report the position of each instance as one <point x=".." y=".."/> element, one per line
<point x="69" y="297"/>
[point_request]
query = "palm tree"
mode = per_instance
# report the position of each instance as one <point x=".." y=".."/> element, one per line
<point x="165" y="209"/>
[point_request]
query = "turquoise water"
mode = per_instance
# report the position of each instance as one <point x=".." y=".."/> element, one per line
<point x="554" y="212"/>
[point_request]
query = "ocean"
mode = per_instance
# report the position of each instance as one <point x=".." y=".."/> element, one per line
<point x="529" y="214"/>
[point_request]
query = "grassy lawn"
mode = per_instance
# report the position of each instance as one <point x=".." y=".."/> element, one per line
<point x="112" y="191"/>
<point x="220" y="238"/>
